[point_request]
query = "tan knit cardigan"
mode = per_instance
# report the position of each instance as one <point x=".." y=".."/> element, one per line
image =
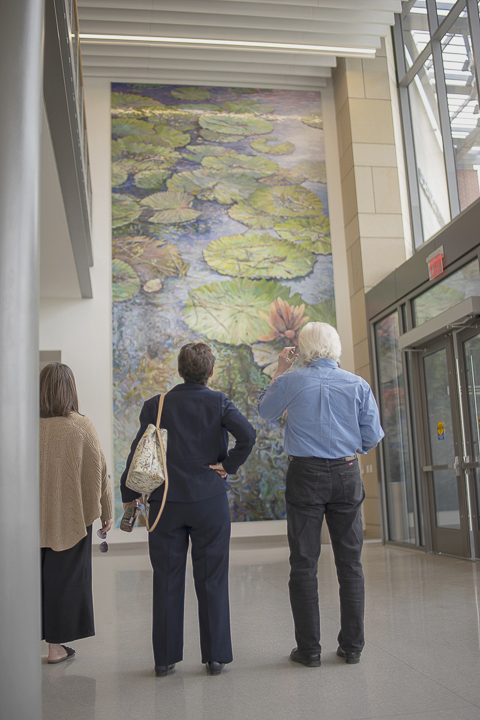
<point x="74" y="485"/>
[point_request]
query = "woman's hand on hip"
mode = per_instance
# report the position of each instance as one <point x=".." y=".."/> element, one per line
<point x="218" y="467"/>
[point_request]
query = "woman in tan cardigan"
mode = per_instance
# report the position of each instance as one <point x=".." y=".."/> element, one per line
<point x="74" y="491"/>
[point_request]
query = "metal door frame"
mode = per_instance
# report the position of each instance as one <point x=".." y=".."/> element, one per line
<point x="473" y="503"/>
<point x="445" y="541"/>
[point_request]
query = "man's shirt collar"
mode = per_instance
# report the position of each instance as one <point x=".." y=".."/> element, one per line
<point x="323" y="362"/>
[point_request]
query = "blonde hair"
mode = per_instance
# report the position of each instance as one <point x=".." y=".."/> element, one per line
<point x="319" y="340"/>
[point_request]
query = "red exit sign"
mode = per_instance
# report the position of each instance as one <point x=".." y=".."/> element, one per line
<point x="435" y="263"/>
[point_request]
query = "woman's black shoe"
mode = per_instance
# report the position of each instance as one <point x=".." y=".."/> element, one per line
<point x="214" y="667"/>
<point x="162" y="670"/>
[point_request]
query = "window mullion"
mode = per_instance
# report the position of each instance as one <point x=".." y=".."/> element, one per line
<point x="445" y="129"/>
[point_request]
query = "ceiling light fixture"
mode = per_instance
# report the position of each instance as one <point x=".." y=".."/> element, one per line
<point x="323" y="49"/>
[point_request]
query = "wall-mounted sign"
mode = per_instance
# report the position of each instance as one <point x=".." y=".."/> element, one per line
<point x="435" y="263"/>
<point x="440" y="431"/>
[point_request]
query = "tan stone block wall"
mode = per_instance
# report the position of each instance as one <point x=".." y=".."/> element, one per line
<point x="375" y="205"/>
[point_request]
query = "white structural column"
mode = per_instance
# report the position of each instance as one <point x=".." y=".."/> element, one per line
<point x="21" y="27"/>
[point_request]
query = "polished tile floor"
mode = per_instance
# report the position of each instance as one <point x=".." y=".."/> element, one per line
<point x="421" y="660"/>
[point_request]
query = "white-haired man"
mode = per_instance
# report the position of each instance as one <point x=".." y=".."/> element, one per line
<point x="332" y="416"/>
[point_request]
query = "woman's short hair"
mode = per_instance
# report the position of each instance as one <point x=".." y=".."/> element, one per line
<point x="58" y="392"/>
<point x="195" y="362"/>
<point x="319" y="340"/>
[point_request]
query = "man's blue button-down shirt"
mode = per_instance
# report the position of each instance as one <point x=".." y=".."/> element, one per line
<point x="331" y="412"/>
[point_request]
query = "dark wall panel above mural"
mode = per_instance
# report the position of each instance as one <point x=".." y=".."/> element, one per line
<point x="221" y="235"/>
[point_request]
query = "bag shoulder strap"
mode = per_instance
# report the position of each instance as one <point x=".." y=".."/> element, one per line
<point x="164" y="463"/>
<point x="160" y="408"/>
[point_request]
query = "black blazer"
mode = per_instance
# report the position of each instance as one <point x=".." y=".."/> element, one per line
<point x="198" y="421"/>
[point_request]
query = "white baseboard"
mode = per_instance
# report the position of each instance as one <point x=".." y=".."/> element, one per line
<point x="259" y="528"/>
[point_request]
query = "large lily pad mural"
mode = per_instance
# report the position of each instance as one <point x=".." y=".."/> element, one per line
<point x="221" y="234"/>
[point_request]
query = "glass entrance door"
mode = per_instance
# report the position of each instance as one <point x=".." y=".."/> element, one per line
<point x="443" y="451"/>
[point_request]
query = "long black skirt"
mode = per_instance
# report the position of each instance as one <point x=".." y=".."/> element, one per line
<point x="67" y="601"/>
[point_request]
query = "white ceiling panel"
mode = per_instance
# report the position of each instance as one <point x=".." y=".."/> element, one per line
<point x="354" y="27"/>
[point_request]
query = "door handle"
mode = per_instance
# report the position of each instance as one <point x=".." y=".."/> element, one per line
<point x="456" y="465"/>
<point x="470" y="465"/>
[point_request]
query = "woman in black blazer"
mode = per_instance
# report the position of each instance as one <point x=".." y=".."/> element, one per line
<point x="198" y="421"/>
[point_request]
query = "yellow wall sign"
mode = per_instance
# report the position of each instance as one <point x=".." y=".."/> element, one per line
<point x="440" y="431"/>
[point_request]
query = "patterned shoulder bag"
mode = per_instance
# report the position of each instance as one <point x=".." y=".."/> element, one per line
<point x="148" y="469"/>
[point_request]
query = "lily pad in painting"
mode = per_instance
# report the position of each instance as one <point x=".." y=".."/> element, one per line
<point x="191" y="93"/>
<point x="119" y="175"/>
<point x="287" y="201"/>
<point x="150" y="258"/>
<point x="314" y="120"/>
<point x="179" y="119"/>
<point x="229" y="311"/>
<point x="310" y="233"/>
<point x="257" y="255"/>
<point x="143" y="148"/>
<point x="251" y="107"/>
<point x="245" y="91"/>
<point x="237" y="163"/>
<point x="261" y="145"/>
<point x="231" y="188"/>
<point x="313" y="170"/>
<point x="151" y="179"/>
<point x="125" y="209"/>
<point x="225" y="188"/>
<point x="192" y="181"/>
<point x="235" y="124"/>
<point x="172" y="207"/>
<point x="247" y="215"/>
<point x="212" y="136"/>
<point x="170" y="137"/>
<point x="196" y="153"/>
<point x="283" y="176"/>
<point x="125" y="282"/>
<point x="130" y="126"/>
<point x="130" y="105"/>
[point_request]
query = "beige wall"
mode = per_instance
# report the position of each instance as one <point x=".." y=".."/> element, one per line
<point x="375" y="208"/>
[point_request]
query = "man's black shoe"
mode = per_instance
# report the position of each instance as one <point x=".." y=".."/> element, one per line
<point x="162" y="670"/>
<point x="214" y="667"/>
<point x="350" y="658"/>
<point x="310" y="660"/>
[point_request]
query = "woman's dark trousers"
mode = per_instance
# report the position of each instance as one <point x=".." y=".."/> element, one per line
<point x="207" y="524"/>
<point x="315" y="488"/>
